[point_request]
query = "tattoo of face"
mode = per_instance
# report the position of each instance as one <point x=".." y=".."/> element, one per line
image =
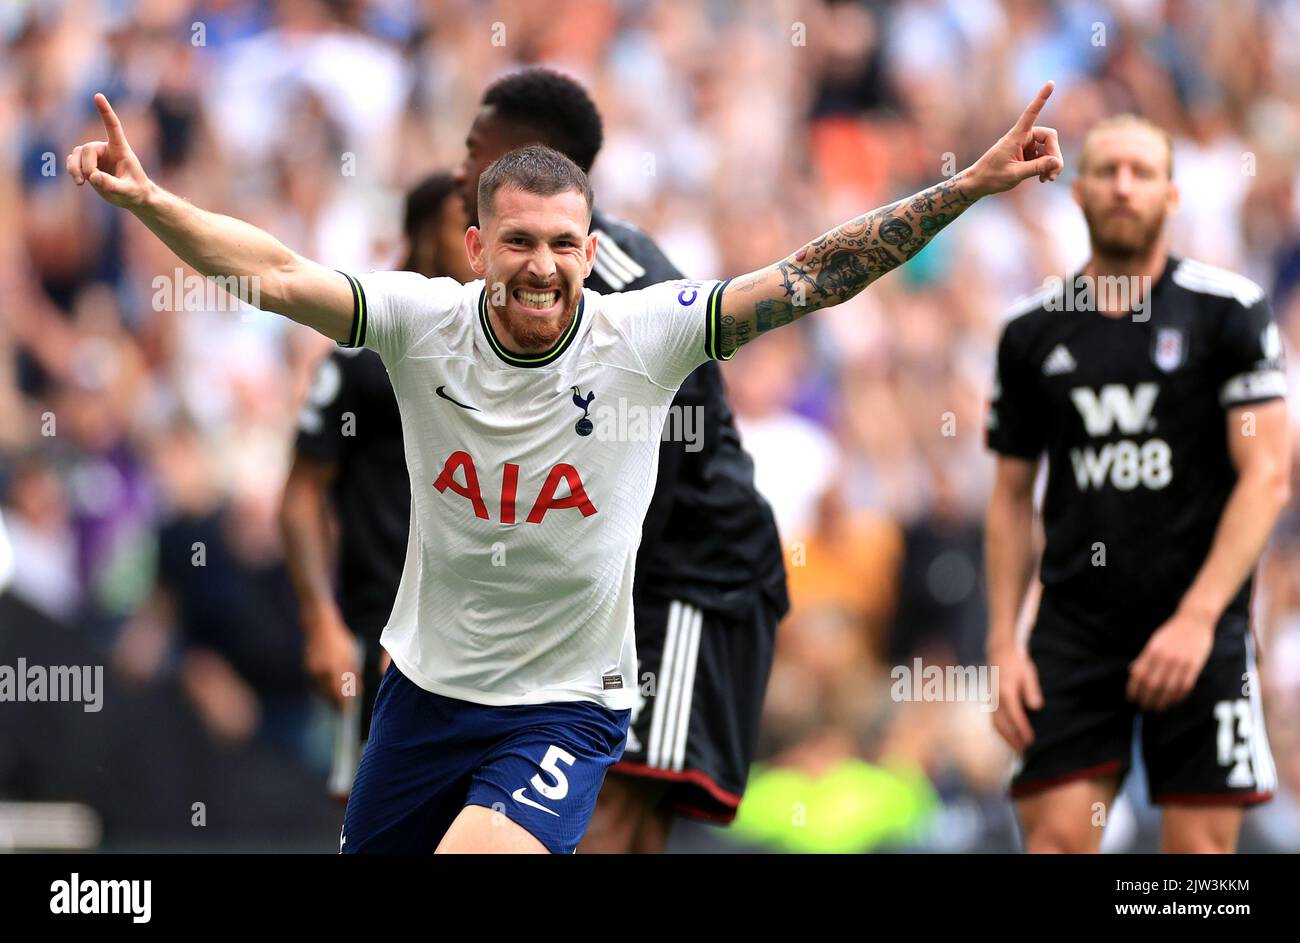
<point x="843" y="274"/>
<point x="894" y="231"/>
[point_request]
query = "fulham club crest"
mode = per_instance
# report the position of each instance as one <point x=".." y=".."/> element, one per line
<point x="1169" y="349"/>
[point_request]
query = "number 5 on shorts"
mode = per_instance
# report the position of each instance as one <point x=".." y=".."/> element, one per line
<point x="550" y="765"/>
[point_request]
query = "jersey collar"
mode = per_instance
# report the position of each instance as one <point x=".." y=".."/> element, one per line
<point x="1161" y="282"/>
<point x="528" y="360"/>
<point x="1171" y="263"/>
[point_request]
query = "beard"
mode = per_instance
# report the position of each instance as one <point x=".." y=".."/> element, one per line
<point x="531" y="333"/>
<point x="535" y="334"/>
<point x="1123" y="236"/>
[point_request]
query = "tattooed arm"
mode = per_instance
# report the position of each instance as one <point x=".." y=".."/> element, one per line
<point x="837" y="265"/>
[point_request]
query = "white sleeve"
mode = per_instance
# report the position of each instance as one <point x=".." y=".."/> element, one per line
<point x="392" y="310"/>
<point x="672" y="327"/>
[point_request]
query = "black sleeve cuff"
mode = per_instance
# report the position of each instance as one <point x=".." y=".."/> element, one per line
<point x="358" y="336"/>
<point x="713" y="324"/>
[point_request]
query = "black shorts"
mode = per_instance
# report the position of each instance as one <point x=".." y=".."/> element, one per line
<point x="1211" y="747"/>
<point x="702" y="678"/>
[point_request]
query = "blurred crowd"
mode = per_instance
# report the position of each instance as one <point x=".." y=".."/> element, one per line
<point x="133" y="436"/>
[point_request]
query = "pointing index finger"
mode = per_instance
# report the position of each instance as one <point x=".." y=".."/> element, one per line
<point x="116" y="136"/>
<point x="1026" y="122"/>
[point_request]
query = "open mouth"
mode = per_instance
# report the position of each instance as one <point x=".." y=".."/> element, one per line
<point x="535" y="300"/>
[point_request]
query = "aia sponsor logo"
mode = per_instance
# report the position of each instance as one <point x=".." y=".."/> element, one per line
<point x="547" y="498"/>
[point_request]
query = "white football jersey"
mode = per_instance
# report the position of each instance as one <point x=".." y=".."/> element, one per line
<point x="530" y="479"/>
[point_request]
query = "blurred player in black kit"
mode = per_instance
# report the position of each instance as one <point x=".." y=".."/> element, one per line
<point x="1155" y="386"/>
<point x="710" y="579"/>
<point x="349" y="464"/>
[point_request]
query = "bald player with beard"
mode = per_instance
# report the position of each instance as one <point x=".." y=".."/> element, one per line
<point x="1155" y="387"/>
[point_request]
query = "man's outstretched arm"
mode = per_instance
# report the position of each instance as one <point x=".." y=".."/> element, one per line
<point x="837" y="265"/>
<point x="213" y="244"/>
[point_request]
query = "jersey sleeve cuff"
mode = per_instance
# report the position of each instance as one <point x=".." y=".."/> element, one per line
<point x="713" y="324"/>
<point x="1012" y="451"/>
<point x="996" y="441"/>
<point x="357" y="338"/>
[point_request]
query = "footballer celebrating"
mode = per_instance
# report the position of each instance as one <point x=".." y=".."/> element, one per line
<point x="513" y="653"/>
<point x="349" y="463"/>
<point x="1165" y="431"/>
<point x="710" y="580"/>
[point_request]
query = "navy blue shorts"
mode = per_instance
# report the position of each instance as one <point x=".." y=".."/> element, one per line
<point x="429" y="756"/>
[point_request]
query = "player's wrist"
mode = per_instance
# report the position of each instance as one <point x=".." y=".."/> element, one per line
<point x="322" y="619"/>
<point x="1199" y="608"/>
<point x="973" y="183"/>
<point x="1001" y="647"/>
<point x="152" y="201"/>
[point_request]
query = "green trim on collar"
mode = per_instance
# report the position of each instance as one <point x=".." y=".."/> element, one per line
<point x="528" y="360"/>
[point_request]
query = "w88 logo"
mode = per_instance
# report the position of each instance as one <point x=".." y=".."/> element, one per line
<point x="1125" y="464"/>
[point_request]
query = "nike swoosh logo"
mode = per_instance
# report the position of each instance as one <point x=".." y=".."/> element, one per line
<point x="441" y="392"/>
<point x="518" y="796"/>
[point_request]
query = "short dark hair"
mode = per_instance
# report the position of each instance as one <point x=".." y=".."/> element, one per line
<point x="424" y="203"/>
<point x="554" y="106"/>
<point x="534" y="169"/>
